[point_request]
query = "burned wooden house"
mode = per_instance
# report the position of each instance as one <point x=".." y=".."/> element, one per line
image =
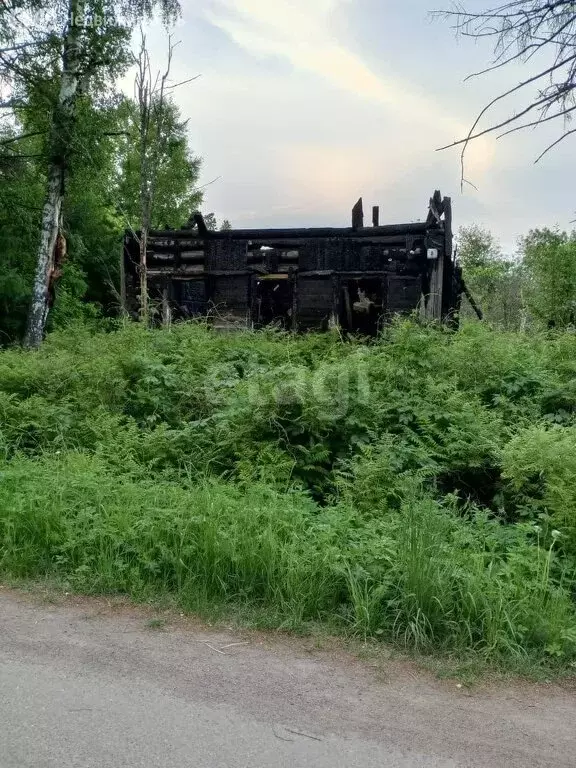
<point x="354" y="277"/>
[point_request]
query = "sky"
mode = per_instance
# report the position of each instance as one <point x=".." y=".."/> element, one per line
<point x="305" y="105"/>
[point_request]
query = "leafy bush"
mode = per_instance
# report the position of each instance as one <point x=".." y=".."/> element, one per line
<point x="419" y="488"/>
<point x="540" y="465"/>
<point x="421" y="575"/>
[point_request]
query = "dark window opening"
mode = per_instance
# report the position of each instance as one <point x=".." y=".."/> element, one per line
<point x="361" y="305"/>
<point x="273" y="301"/>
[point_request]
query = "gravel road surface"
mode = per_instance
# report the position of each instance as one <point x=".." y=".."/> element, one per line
<point x="93" y="684"/>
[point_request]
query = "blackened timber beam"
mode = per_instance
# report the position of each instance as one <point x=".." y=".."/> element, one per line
<point x="473" y="304"/>
<point x="376" y="216"/>
<point x="366" y="237"/>
<point x="266" y="236"/>
<point x="155" y="247"/>
<point x="253" y="248"/>
<point x="170" y="272"/>
<point x="168" y="264"/>
<point x="436" y="209"/>
<point x="351" y="273"/>
<point x="200" y="223"/>
<point x="447" y="205"/>
<point x="358" y="215"/>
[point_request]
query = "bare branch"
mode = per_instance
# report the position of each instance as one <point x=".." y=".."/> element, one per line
<point x="209" y="183"/>
<point x="533" y="27"/>
<point x="471" y="136"/>
<point x="22" y="46"/>
<point x="524" y="51"/>
<point x="184" y="82"/>
<point x="554" y="144"/>
<point x="540" y="120"/>
<point x="151" y="99"/>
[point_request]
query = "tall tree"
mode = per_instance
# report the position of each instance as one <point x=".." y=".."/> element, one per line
<point x="177" y="170"/>
<point x="550" y="259"/>
<point x="90" y="52"/>
<point x="159" y="137"/>
<point x="542" y="35"/>
<point x="494" y="279"/>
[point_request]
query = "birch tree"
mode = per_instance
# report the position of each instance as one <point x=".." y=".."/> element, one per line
<point x="150" y="95"/>
<point x="90" y="52"/>
<point x="157" y="129"/>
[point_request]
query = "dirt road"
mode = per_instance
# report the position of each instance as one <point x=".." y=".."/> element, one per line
<point x="87" y="685"/>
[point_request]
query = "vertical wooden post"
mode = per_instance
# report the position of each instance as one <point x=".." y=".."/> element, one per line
<point x="166" y="308"/>
<point x="436" y="287"/>
<point x="440" y="267"/>
<point x="294" y="282"/>
<point x="144" y="310"/>
<point x="358" y="215"/>
<point x="334" y="321"/>
<point x="376" y="216"/>
<point x="449" y="302"/>
<point x="447" y="205"/>
<point x="123" y="305"/>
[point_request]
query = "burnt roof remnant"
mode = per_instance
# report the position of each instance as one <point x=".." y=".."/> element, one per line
<point x="299" y="279"/>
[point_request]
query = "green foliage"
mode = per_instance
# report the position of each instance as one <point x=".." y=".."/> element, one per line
<point x="478" y="249"/>
<point x="84" y="140"/>
<point x="419" y="489"/>
<point x="101" y="202"/>
<point x="176" y="169"/>
<point x="495" y="280"/>
<point x="92" y="229"/>
<point x="550" y="257"/>
<point x="21" y="195"/>
<point x="422" y="576"/>
<point x="540" y="465"/>
<point x="475" y="584"/>
<point x="538" y="287"/>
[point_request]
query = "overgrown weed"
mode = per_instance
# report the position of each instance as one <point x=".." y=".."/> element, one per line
<point x="418" y="489"/>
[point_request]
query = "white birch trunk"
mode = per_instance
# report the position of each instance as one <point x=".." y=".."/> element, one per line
<point x="144" y="203"/>
<point x="56" y="175"/>
<point x="166" y="308"/>
<point x="123" y="300"/>
<point x="144" y="312"/>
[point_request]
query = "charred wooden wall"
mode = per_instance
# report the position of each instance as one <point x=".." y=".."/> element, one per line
<point x="304" y="278"/>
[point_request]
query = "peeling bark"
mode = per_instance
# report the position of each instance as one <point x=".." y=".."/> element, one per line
<point x="144" y="311"/>
<point x="50" y="218"/>
<point x="62" y="122"/>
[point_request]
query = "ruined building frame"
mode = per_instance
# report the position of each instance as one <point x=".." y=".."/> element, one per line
<point x="302" y="279"/>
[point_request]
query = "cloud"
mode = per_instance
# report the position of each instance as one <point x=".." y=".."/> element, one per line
<point x="302" y="32"/>
<point x="297" y="123"/>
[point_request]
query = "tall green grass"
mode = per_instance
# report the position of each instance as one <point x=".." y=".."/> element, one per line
<point x="418" y="488"/>
<point x="422" y="576"/>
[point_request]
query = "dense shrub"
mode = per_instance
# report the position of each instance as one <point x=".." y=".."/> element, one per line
<point x="419" y="487"/>
<point x="421" y="574"/>
<point x="540" y="465"/>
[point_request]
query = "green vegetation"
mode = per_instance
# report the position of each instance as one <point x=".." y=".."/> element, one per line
<point x="534" y="289"/>
<point x="101" y="203"/>
<point x="420" y="489"/>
